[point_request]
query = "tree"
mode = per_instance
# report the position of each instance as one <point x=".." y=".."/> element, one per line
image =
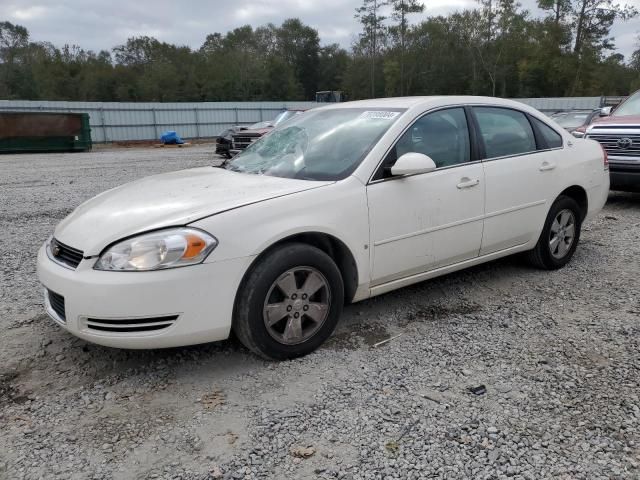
<point x="401" y="10"/>
<point x="373" y="28"/>
<point x="635" y="58"/>
<point x="494" y="49"/>
<point x="560" y="9"/>
<point x="13" y="38"/>
<point x="593" y="20"/>
<point x="299" y="45"/>
<point x="332" y="66"/>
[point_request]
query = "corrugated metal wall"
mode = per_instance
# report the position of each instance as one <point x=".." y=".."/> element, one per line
<point x="114" y="121"/>
<point x="555" y="104"/>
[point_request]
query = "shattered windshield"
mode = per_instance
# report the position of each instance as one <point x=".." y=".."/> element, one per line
<point x="319" y="145"/>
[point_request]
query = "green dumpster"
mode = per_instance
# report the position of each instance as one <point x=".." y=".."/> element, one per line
<point x="44" y="132"/>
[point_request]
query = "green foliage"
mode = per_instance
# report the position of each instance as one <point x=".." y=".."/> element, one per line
<point x="495" y="49"/>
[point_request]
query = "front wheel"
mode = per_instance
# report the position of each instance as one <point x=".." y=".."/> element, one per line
<point x="290" y="302"/>
<point x="560" y="235"/>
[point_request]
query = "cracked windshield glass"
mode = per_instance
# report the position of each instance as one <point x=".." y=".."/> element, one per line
<point x="318" y="145"/>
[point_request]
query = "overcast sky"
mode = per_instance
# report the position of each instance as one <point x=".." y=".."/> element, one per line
<point x="100" y="25"/>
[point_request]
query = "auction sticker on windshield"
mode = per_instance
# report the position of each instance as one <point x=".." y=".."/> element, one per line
<point x="379" y="114"/>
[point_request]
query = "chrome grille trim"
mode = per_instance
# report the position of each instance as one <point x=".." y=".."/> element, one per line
<point x="609" y="140"/>
<point x="129" y="325"/>
<point x="66" y="256"/>
<point x="242" y="141"/>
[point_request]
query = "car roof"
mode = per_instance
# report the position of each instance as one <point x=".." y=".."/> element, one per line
<point x="580" y="111"/>
<point x="427" y="102"/>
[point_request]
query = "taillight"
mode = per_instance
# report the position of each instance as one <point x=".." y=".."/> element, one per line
<point x="606" y="158"/>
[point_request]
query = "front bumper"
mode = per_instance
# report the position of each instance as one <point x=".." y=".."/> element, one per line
<point x="199" y="297"/>
<point x="624" y="176"/>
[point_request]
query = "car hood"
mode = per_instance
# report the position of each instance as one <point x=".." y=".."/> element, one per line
<point x="169" y="199"/>
<point x="621" y="120"/>
<point x="253" y="131"/>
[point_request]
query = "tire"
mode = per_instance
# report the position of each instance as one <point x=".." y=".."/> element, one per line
<point x="551" y="256"/>
<point x="274" y="291"/>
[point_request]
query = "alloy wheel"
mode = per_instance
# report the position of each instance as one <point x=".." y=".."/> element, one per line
<point x="297" y="305"/>
<point x="562" y="233"/>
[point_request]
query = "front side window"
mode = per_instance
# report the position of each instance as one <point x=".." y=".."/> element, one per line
<point x="505" y="132"/>
<point x="551" y="137"/>
<point x="441" y="135"/>
<point x="319" y="145"/>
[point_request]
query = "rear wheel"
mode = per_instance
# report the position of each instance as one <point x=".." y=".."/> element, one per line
<point x="290" y="302"/>
<point x="560" y="235"/>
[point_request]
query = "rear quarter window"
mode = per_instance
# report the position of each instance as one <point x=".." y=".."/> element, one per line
<point x="551" y="137"/>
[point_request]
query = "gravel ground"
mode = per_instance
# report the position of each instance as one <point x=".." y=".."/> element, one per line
<point x="556" y="352"/>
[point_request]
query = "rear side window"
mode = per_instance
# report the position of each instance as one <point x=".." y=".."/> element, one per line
<point x="505" y="132"/>
<point x="551" y="137"/>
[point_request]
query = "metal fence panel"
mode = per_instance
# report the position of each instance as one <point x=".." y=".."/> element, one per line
<point x="125" y="121"/>
<point x="555" y="104"/>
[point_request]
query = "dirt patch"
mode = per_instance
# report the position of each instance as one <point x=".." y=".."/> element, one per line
<point x="354" y="335"/>
<point x="436" y="312"/>
<point x="9" y="392"/>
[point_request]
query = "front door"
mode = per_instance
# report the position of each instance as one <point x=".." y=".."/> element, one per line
<point x="422" y="222"/>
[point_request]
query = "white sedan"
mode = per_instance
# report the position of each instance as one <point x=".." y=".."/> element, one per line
<point x="338" y="205"/>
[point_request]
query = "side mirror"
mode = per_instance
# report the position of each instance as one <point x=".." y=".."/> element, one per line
<point x="412" y="163"/>
<point x="605" y="111"/>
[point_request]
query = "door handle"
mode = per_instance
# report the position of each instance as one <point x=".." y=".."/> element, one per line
<point x="547" y="166"/>
<point x="468" y="183"/>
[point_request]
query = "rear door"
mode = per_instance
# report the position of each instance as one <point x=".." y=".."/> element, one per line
<point x="520" y="167"/>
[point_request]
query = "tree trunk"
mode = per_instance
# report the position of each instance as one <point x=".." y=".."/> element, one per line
<point x="578" y="45"/>
<point x="402" y="32"/>
<point x="374" y="50"/>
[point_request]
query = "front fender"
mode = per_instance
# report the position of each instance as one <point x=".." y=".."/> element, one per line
<point x="339" y="210"/>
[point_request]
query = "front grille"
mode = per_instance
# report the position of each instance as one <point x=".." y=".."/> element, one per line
<point x="57" y="304"/>
<point x="65" y="254"/>
<point x="240" y="142"/>
<point x="130" y="325"/>
<point x="610" y="143"/>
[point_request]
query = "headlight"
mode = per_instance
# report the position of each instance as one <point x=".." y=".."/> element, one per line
<point x="169" y="248"/>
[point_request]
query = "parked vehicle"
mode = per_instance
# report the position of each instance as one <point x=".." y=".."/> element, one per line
<point x="242" y="139"/>
<point x="225" y="139"/>
<point x="618" y="131"/>
<point x="346" y="202"/>
<point x="575" y="118"/>
<point x="330" y="96"/>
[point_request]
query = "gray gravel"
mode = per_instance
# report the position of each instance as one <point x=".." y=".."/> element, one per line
<point x="557" y="353"/>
